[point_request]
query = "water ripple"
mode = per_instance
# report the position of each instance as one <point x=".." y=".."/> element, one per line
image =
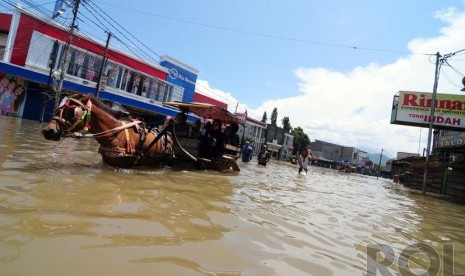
<point x="61" y="199"/>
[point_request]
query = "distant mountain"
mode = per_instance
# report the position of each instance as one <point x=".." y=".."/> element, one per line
<point x="374" y="157"/>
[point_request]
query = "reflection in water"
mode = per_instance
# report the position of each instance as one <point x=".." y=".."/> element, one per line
<point x="63" y="212"/>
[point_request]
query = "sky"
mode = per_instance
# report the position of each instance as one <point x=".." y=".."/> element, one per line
<point x="331" y="66"/>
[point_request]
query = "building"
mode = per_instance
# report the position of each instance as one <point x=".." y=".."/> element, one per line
<point x="259" y="133"/>
<point x="403" y="155"/>
<point x="274" y="139"/>
<point x="449" y="145"/>
<point x="34" y="46"/>
<point x="445" y="171"/>
<point x="253" y="131"/>
<point x="361" y="158"/>
<point x="288" y="147"/>
<point x="330" y="152"/>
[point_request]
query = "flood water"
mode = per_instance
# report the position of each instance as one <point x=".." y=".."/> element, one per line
<point x="62" y="212"/>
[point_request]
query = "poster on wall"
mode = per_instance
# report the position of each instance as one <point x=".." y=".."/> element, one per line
<point x="12" y="95"/>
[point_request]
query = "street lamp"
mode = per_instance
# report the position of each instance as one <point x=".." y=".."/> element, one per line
<point x="463" y="82"/>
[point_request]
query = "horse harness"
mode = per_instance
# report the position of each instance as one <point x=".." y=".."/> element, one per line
<point x="82" y="113"/>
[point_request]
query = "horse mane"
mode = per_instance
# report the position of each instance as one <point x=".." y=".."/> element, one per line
<point x="117" y="114"/>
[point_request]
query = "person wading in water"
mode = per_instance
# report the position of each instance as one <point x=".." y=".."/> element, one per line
<point x="304" y="159"/>
<point x="264" y="156"/>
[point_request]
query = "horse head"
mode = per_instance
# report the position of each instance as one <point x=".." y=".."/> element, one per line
<point x="73" y="114"/>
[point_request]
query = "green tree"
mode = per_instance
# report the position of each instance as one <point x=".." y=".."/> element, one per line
<point x="301" y="140"/>
<point x="274" y="117"/>
<point x="286" y="125"/>
<point x="265" y="117"/>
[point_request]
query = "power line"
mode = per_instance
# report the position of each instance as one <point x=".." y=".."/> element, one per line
<point x="38" y="7"/>
<point x="116" y="22"/>
<point x="30" y="4"/>
<point x="272" y="36"/>
<point x="453" y="68"/>
<point x="92" y="11"/>
<point x="448" y="79"/>
<point x="118" y="30"/>
<point x="24" y="35"/>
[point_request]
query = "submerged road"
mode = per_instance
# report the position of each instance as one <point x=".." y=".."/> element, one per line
<point x="62" y="212"/>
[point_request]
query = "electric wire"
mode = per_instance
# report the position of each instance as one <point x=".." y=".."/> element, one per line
<point x="31" y="5"/>
<point x="271" y="36"/>
<point x="268" y="35"/>
<point x="453" y="68"/>
<point x="121" y="33"/>
<point x="93" y="11"/>
<point x="116" y="22"/>
<point x="106" y="29"/>
<point x="448" y="79"/>
<point x="24" y="35"/>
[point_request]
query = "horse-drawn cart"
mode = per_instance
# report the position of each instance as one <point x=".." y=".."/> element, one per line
<point x="126" y="142"/>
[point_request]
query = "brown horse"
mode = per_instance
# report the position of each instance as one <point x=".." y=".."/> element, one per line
<point x="123" y="142"/>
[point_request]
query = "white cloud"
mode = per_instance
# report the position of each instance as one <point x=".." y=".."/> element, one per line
<point x="354" y="108"/>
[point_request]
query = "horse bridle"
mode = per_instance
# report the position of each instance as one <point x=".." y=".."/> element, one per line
<point x="81" y="113"/>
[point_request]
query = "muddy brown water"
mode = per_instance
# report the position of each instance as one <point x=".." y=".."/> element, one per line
<point x="62" y="212"/>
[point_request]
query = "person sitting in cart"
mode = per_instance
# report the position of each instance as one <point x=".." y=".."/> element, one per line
<point x="195" y="130"/>
<point x="207" y="142"/>
<point x="219" y="136"/>
<point x="230" y="147"/>
<point x="233" y="137"/>
<point x="227" y="135"/>
<point x="181" y="127"/>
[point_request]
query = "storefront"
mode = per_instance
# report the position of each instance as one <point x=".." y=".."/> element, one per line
<point x="32" y="56"/>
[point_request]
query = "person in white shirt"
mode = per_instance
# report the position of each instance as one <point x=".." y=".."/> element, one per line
<point x="304" y="159"/>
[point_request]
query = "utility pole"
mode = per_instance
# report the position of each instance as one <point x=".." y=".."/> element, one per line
<point x="419" y="141"/>
<point x="431" y="119"/>
<point x="64" y="58"/>
<point x="52" y="60"/>
<point x="379" y="164"/>
<point x="104" y="63"/>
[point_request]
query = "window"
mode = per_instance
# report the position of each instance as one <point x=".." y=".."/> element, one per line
<point x="161" y="91"/>
<point x="145" y="86"/>
<point x="169" y="91"/>
<point x="76" y="62"/>
<point x="87" y="65"/>
<point x="83" y="65"/>
<point x="3" y="39"/>
<point x="153" y="90"/>
<point x="39" y="50"/>
<point x="120" y="76"/>
<point x="91" y="66"/>
<point x="133" y="84"/>
<point x="126" y="77"/>
<point x="112" y="74"/>
<point x="178" y="92"/>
